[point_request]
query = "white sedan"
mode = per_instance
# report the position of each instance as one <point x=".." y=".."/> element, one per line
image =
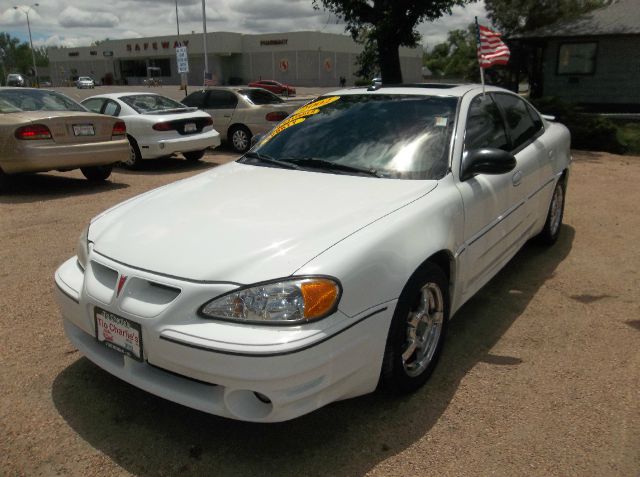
<point x="158" y="126"/>
<point x="326" y="260"/>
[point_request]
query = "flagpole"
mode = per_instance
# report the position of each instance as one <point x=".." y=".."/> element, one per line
<point x="479" y="53"/>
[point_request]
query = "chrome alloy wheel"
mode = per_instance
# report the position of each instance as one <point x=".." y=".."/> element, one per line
<point x="424" y="326"/>
<point x="240" y="140"/>
<point x="555" y="211"/>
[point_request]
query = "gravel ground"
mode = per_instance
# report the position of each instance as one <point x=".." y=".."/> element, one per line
<point x="540" y="374"/>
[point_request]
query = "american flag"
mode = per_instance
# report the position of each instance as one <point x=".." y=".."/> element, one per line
<point x="209" y="80"/>
<point x="491" y="49"/>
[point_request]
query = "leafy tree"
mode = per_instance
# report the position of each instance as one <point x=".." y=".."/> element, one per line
<point x="17" y="55"/>
<point x="389" y="24"/>
<point x="457" y="57"/>
<point x="518" y="16"/>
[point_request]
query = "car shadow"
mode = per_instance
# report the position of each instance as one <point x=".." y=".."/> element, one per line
<point x="147" y="435"/>
<point x="27" y="188"/>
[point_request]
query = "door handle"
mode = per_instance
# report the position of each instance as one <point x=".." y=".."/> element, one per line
<point x="516" y="179"/>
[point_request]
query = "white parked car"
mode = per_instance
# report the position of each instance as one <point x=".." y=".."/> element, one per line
<point x="158" y="126"/>
<point x="327" y="259"/>
<point x="85" y="82"/>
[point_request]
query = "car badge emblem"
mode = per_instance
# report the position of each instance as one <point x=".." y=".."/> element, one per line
<point x="121" y="282"/>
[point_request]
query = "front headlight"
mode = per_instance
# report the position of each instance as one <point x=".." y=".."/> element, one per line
<point x="283" y="302"/>
<point x="82" y="249"/>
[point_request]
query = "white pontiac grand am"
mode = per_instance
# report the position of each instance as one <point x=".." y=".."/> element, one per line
<point x="325" y="260"/>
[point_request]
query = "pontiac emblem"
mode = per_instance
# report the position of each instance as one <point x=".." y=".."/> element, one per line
<point x="121" y="282"/>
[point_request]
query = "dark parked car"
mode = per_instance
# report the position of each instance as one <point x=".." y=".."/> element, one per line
<point x="16" y="79"/>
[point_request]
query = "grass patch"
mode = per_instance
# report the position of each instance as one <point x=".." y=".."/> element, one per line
<point x="629" y="135"/>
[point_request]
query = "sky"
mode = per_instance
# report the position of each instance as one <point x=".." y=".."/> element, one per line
<point x="79" y="23"/>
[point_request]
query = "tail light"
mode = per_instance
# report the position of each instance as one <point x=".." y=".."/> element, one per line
<point x="119" y="129"/>
<point x="207" y="122"/>
<point x="276" y="116"/>
<point x="33" y="131"/>
<point x="163" y="126"/>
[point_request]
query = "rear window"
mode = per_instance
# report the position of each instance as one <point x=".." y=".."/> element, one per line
<point x="151" y="103"/>
<point x="260" y="96"/>
<point x="39" y="100"/>
<point x="6" y="107"/>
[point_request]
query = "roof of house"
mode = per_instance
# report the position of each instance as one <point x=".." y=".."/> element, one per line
<point x="620" y="17"/>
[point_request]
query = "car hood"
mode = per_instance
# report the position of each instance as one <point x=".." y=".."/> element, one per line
<point x="242" y="223"/>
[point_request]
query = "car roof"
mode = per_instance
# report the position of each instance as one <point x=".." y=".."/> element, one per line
<point x="421" y="89"/>
<point x="119" y="95"/>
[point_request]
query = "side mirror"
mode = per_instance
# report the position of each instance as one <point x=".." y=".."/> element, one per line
<point x="256" y="138"/>
<point x="486" y="161"/>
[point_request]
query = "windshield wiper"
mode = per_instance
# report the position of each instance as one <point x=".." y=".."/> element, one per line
<point x="331" y="166"/>
<point x="268" y="160"/>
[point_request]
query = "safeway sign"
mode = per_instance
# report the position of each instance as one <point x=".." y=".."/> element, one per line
<point x="183" y="59"/>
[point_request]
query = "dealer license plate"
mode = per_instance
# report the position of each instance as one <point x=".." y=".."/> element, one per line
<point x="190" y="127"/>
<point x="84" y="130"/>
<point x="119" y="333"/>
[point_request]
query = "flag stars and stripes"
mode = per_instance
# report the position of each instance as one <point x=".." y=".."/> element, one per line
<point x="491" y="49"/>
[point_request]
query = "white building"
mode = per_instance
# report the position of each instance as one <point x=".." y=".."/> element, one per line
<point x="304" y="58"/>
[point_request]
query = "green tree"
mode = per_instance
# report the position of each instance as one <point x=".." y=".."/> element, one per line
<point x="457" y="57"/>
<point x="518" y="16"/>
<point x="389" y="24"/>
<point x="17" y="55"/>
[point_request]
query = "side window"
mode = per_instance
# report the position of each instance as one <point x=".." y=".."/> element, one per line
<point x="195" y="99"/>
<point x="520" y="124"/>
<point x="112" y="108"/>
<point x="220" y="99"/>
<point x="484" y="125"/>
<point x="94" y="104"/>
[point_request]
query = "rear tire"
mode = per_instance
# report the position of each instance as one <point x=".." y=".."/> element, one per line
<point x="417" y="331"/>
<point x="193" y="156"/>
<point x="240" y="138"/>
<point x="4" y="181"/>
<point x="97" y="173"/>
<point x="135" y="157"/>
<point x="553" y="223"/>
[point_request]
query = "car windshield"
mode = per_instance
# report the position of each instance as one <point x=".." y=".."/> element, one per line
<point x="260" y="96"/>
<point x="393" y="136"/>
<point x="84" y="78"/>
<point x="151" y="103"/>
<point x="39" y="100"/>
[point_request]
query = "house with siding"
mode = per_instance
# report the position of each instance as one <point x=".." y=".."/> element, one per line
<point x="592" y="60"/>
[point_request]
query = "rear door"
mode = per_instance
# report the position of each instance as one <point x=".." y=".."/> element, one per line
<point x="529" y="150"/>
<point x="221" y="104"/>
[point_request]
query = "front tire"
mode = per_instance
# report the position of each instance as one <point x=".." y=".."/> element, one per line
<point x="240" y="138"/>
<point x="193" y="156"/>
<point x="97" y="173"/>
<point x="553" y="223"/>
<point x="417" y="331"/>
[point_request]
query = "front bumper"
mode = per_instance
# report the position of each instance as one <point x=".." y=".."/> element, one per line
<point x="221" y="368"/>
<point x="42" y="156"/>
<point x="165" y="147"/>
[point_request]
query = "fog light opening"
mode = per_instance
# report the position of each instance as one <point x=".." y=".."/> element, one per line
<point x="261" y="397"/>
<point x="248" y="404"/>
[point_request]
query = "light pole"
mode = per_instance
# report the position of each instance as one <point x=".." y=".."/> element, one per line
<point x="26" y="10"/>
<point x="204" y="39"/>
<point x="183" y="76"/>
